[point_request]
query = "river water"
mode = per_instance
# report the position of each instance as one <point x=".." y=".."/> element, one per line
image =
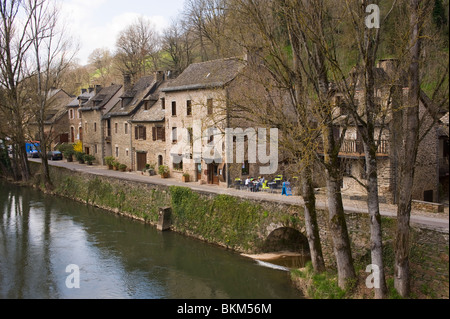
<point x="53" y="247"/>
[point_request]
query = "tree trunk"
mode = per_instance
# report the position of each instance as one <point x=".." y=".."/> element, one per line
<point x="376" y="243"/>
<point x="312" y="227"/>
<point x="336" y="218"/>
<point x="407" y="163"/>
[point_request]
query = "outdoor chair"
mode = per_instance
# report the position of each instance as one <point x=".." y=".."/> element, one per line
<point x="265" y="187"/>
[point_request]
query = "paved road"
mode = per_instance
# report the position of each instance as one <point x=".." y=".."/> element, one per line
<point x="440" y="222"/>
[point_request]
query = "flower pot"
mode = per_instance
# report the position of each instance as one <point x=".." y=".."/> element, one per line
<point x="110" y="167"/>
<point x="165" y="175"/>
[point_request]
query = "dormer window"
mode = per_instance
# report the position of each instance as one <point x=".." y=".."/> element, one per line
<point x="146" y="105"/>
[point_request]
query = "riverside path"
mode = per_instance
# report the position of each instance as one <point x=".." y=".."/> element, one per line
<point x="437" y="221"/>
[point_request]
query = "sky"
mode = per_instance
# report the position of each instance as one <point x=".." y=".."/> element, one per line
<point x="96" y="23"/>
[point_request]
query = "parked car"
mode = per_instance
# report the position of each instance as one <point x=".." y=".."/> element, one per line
<point x="54" y="155"/>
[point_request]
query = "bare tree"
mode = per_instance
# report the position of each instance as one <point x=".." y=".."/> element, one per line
<point x="14" y="44"/>
<point x="50" y="56"/>
<point x="137" y="49"/>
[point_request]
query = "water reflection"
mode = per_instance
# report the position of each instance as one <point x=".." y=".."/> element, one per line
<point x="117" y="257"/>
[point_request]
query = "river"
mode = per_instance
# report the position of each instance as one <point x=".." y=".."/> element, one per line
<point x="52" y="247"/>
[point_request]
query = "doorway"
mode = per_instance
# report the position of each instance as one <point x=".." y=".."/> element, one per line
<point x="213" y="176"/>
<point x="198" y="168"/>
<point x="141" y="160"/>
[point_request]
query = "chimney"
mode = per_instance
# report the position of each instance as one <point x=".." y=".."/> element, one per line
<point x="159" y="76"/>
<point x="83" y="91"/>
<point x="126" y="82"/>
<point x="90" y="89"/>
<point x="97" y="88"/>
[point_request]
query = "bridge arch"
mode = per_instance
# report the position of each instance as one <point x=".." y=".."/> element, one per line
<point x="286" y="239"/>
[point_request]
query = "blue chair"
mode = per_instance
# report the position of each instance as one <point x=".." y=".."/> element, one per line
<point x="286" y="189"/>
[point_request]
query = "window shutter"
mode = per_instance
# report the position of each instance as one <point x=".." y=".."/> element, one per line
<point x="163" y="130"/>
<point x="154" y="133"/>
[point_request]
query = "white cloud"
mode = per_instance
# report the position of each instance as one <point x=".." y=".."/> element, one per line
<point x="94" y="26"/>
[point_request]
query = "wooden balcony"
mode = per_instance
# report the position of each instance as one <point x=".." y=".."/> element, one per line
<point x="355" y="149"/>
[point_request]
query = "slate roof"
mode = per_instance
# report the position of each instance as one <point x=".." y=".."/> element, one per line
<point x="133" y="97"/>
<point x="84" y="97"/>
<point x="209" y="74"/>
<point x="101" y="98"/>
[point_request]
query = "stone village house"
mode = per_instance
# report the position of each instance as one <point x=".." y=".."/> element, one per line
<point x="56" y="124"/>
<point x="74" y="114"/>
<point x="135" y="121"/>
<point x="96" y="133"/>
<point x="430" y="153"/>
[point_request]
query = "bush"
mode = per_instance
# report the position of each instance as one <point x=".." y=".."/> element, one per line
<point x="80" y="156"/>
<point x="89" y="158"/>
<point x="122" y="167"/>
<point x="163" y="169"/>
<point x="109" y="160"/>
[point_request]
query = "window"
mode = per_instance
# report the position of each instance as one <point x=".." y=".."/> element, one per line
<point x="163" y="103"/>
<point x="174" y="134"/>
<point x="79" y="114"/>
<point x="86" y="126"/>
<point x="245" y="168"/>
<point x="95" y="149"/>
<point x="115" y="127"/>
<point x="117" y="151"/>
<point x="146" y="105"/>
<point x="188" y="108"/>
<point x="126" y="152"/>
<point x="158" y="133"/>
<point x="209" y="105"/>
<point x="174" y="108"/>
<point x="71" y="114"/>
<point x="140" y="132"/>
<point x="95" y="127"/>
<point x="126" y="128"/>
<point x="178" y="166"/>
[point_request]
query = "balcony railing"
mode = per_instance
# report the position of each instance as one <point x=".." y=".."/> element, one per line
<point x="356" y="147"/>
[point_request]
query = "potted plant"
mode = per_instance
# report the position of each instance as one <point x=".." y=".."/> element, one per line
<point x="185" y="177"/>
<point x="116" y="165"/>
<point x="163" y="170"/>
<point x="67" y="150"/>
<point x="80" y="157"/>
<point x="122" y="167"/>
<point x="109" y="160"/>
<point x="89" y="159"/>
<point x="68" y="154"/>
<point x="151" y="169"/>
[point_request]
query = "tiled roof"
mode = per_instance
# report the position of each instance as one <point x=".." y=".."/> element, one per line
<point x="210" y="74"/>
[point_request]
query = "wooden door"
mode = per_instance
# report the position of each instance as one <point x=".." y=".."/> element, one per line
<point x="141" y="160"/>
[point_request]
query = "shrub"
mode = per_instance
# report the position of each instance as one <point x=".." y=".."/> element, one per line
<point x="109" y="160"/>
<point x="163" y="169"/>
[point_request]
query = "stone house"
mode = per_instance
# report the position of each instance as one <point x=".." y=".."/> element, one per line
<point x="148" y="142"/>
<point x="74" y="114"/>
<point x="56" y="122"/>
<point x="198" y="107"/>
<point x="95" y="132"/>
<point x="389" y="94"/>
<point x="130" y="121"/>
